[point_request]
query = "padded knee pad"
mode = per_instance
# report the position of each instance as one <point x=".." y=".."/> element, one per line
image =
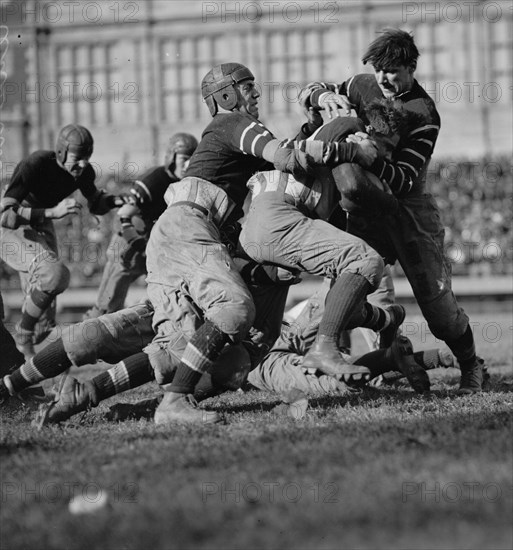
<point x="374" y="269"/>
<point x="83" y="341"/>
<point x="53" y="277"/>
<point x="163" y="361"/>
<point x="234" y="319"/>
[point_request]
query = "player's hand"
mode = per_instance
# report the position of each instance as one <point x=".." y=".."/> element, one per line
<point x="367" y="153"/>
<point x="357" y="137"/>
<point x="313" y="116"/>
<point x="128" y="210"/>
<point x="65" y="208"/>
<point x="332" y="102"/>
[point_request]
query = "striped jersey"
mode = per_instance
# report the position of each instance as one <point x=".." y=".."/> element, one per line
<point x="229" y="153"/>
<point x="406" y="170"/>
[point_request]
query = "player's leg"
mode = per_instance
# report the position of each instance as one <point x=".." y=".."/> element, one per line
<point x="276" y="232"/>
<point x="111" y="338"/>
<point x="34" y="253"/>
<point x="116" y="279"/>
<point x="11" y="357"/>
<point x="418" y="237"/>
<point x="185" y="252"/>
<point x="72" y="396"/>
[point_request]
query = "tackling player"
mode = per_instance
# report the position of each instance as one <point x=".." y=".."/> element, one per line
<point x="414" y="235"/>
<point x="187" y="257"/>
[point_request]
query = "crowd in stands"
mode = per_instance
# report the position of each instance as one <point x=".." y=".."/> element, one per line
<point x="475" y="199"/>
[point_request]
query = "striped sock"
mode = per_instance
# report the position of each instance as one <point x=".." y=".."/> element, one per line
<point x="49" y="362"/>
<point x="200" y="353"/>
<point x="35" y="304"/>
<point x="126" y="375"/>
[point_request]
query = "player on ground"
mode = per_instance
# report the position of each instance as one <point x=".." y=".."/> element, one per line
<point x="39" y="192"/>
<point x="126" y="259"/>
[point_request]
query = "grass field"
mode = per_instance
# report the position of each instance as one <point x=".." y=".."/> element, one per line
<point x="382" y="469"/>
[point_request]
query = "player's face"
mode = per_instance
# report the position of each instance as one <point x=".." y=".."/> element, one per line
<point x="181" y="164"/>
<point x="75" y="165"/>
<point x="247" y="96"/>
<point x="395" y="80"/>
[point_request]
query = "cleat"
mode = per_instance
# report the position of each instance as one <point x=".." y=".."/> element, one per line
<point x="178" y="407"/>
<point x="474" y="378"/>
<point x="388" y="335"/>
<point x="326" y="357"/>
<point x="401" y="354"/>
<point x="69" y="399"/>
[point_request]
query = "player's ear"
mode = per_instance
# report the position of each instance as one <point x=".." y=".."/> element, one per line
<point x="413" y="67"/>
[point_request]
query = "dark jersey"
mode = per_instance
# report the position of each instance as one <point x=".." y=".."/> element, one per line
<point x="42" y="183"/>
<point x="406" y="170"/>
<point x="229" y="153"/>
<point x="148" y="193"/>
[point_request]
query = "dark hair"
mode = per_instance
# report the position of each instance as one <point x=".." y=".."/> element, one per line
<point x="388" y="116"/>
<point x="393" y="47"/>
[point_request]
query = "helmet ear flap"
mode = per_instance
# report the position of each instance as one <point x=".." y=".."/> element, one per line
<point x="62" y="155"/>
<point x="227" y="98"/>
<point x="211" y="104"/>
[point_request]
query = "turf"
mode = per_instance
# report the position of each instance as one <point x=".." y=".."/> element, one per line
<point x="382" y="469"/>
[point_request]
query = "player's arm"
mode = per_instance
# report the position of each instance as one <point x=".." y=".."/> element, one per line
<point x="99" y="201"/>
<point x="409" y="160"/>
<point x="297" y="157"/>
<point x="136" y="242"/>
<point x="12" y="212"/>
<point x="328" y="97"/>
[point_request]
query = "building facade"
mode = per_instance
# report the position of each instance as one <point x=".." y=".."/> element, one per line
<point x="130" y="70"/>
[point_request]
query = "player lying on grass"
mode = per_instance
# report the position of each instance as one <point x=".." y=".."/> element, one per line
<point x="122" y="336"/>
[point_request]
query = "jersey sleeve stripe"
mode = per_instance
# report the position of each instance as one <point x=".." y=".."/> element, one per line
<point x="425" y="129"/>
<point x="145" y="189"/>
<point x="416" y="153"/>
<point x="412" y="168"/>
<point x="246" y="130"/>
